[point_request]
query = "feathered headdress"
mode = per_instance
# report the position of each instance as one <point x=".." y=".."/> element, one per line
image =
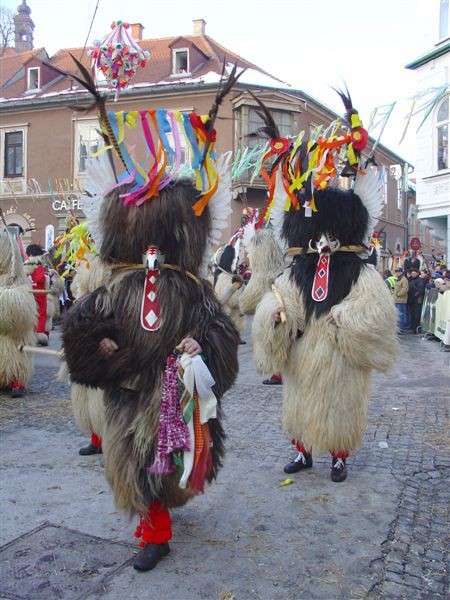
<point x="164" y="133"/>
<point x="299" y="167"/>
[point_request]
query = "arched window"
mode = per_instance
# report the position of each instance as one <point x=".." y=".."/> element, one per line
<point x="442" y="131"/>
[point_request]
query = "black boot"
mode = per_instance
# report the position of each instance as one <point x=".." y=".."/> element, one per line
<point x="17" y="391"/>
<point x="302" y="461"/>
<point x="90" y="449"/>
<point x="273" y="381"/>
<point x="338" y="470"/>
<point x="150" y="555"/>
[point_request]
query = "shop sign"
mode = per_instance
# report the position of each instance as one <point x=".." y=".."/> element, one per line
<point x="66" y="204"/>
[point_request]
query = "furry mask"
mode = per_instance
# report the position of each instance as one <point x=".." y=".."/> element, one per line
<point x="342" y="218"/>
<point x="167" y="222"/>
<point x="340" y="214"/>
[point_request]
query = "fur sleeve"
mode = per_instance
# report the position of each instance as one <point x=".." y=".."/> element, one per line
<point x="85" y="325"/>
<point x="219" y="339"/>
<point x="18" y="311"/>
<point x="366" y="324"/>
<point x="252" y="294"/>
<point x="224" y="289"/>
<point x="272" y="342"/>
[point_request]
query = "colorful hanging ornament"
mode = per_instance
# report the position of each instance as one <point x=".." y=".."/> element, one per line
<point x="118" y="56"/>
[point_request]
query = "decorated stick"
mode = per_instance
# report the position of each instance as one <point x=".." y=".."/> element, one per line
<point x="36" y="350"/>
<point x="277" y="295"/>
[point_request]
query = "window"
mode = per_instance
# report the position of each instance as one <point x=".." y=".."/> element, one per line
<point x="444" y="20"/>
<point x="13" y="154"/>
<point x="180" y="62"/>
<point x="283" y="119"/>
<point x="88" y="142"/>
<point x="442" y="125"/>
<point x="33" y="78"/>
<point x="399" y="194"/>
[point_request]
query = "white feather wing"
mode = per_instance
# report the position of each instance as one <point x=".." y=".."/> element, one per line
<point x="220" y="204"/>
<point x="219" y="208"/>
<point x="99" y="179"/>
<point x="277" y="211"/>
<point x="369" y="188"/>
<point x="249" y="232"/>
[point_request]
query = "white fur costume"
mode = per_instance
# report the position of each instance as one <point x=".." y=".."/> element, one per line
<point x="266" y="262"/>
<point x="326" y="367"/>
<point x="17" y="315"/>
<point x="223" y="288"/>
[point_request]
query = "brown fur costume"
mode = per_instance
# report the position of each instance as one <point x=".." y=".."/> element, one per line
<point x="132" y="377"/>
<point x="18" y="313"/>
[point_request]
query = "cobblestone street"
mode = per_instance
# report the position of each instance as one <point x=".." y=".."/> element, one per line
<point x="381" y="534"/>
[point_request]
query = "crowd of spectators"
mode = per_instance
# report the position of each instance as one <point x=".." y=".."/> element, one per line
<point x="408" y="286"/>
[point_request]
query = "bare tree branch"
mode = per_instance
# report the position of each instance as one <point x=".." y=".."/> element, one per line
<point x="6" y="28"/>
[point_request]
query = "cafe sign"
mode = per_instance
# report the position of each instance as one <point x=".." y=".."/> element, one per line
<point x="66" y="204"/>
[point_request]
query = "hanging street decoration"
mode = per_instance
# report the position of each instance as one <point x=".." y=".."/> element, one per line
<point x="118" y="56"/>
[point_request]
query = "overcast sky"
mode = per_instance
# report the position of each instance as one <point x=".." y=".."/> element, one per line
<point x="312" y="44"/>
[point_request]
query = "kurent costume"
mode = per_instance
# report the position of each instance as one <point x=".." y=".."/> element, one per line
<point x="266" y="262"/>
<point x="228" y="285"/>
<point x="87" y="402"/>
<point x="334" y="319"/>
<point x="18" y="314"/>
<point x="138" y="337"/>
<point x="56" y="288"/>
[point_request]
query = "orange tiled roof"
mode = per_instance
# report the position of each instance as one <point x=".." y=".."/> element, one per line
<point x="159" y="64"/>
<point x="157" y="70"/>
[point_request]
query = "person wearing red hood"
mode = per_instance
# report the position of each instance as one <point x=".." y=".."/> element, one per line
<point x="38" y="277"/>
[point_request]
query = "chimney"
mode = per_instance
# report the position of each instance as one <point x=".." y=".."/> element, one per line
<point x="137" y="30"/>
<point x="199" y="26"/>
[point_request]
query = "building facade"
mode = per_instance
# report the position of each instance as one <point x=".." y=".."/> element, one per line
<point x="433" y="163"/>
<point x="46" y="139"/>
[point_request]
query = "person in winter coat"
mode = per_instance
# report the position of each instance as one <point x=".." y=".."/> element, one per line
<point x="40" y="281"/>
<point x="400" y="297"/>
<point x="389" y="280"/>
<point x="416" y="293"/>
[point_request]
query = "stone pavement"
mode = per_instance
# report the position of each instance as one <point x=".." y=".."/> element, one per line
<point x="381" y="534"/>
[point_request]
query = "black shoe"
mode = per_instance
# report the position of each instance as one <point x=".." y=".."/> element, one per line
<point x="303" y="461"/>
<point x="17" y="392"/>
<point x="90" y="449"/>
<point x="150" y="555"/>
<point x="242" y="342"/>
<point x="272" y="381"/>
<point x="338" y="470"/>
